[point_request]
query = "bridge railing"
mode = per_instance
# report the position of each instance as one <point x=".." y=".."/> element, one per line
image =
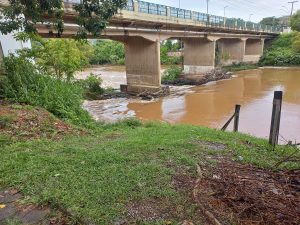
<point x="205" y="19"/>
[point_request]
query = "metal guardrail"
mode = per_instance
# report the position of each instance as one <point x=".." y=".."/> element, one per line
<point x="207" y="19"/>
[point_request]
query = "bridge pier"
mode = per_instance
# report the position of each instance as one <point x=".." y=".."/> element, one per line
<point x="142" y="65"/>
<point x="199" y="56"/>
<point x="254" y="50"/>
<point x="231" y="50"/>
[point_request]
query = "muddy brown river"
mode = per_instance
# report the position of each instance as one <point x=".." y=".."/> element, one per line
<point x="213" y="104"/>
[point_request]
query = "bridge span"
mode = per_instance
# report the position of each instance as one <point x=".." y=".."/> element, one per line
<point x="142" y="26"/>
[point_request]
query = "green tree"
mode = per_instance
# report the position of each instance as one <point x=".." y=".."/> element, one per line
<point x="270" y="21"/>
<point x="63" y="57"/>
<point x="111" y="52"/>
<point x="295" y="21"/>
<point x="24" y="15"/>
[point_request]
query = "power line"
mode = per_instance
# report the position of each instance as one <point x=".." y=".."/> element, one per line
<point x="292" y="10"/>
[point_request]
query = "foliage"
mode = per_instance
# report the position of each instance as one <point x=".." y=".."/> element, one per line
<point x="167" y="47"/>
<point x="171" y="74"/>
<point x="94" y="14"/>
<point x="270" y="21"/>
<point x="296" y="42"/>
<point x="92" y="87"/>
<point x="281" y="52"/>
<point x="62" y="56"/>
<point x="26" y="84"/>
<point x="24" y="15"/>
<point x="295" y="21"/>
<point x="108" y="52"/>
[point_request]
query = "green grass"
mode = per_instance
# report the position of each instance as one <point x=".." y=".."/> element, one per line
<point x="96" y="176"/>
<point x="240" y="67"/>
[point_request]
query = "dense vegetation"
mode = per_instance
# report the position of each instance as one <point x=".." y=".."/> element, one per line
<point x="108" y="52"/>
<point x="282" y="51"/>
<point x="25" y="82"/>
<point x="285" y="50"/>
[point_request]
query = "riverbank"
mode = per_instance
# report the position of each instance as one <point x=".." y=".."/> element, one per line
<point x="136" y="173"/>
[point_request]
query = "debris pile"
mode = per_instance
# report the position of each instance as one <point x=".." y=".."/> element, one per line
<point x="244" y="194"/>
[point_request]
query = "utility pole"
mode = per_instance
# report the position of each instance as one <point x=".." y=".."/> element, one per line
<point x="179" y="4"/>
<point x="225" y="10"/>
<point x="292" y="10"/>
<point x="207" y="6"/>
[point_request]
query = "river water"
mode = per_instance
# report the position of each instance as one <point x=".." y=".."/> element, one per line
<point x="213" y="104"/>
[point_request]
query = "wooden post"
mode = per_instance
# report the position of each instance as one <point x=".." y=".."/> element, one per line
<point x="276" y="114"/>
<point x="236" y="118"/>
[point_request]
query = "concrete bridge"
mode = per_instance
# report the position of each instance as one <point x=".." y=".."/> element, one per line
<point x="142" y="26"/>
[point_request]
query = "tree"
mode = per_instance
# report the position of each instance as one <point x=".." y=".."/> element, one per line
<point x="270" y="21"/>
<point x="24" y="15"/>
<point x="63" y="57"/>
<point x="296" y="42"/>
<point x="295" y="21"/>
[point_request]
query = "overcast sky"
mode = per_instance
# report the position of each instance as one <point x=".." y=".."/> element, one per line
<point x="236" y="8"/>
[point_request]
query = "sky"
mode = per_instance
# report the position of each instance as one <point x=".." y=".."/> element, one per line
<point x="236" y="8"/>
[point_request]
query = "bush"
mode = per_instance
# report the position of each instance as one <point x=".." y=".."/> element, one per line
<point x="24" y="83"/>
<point x="108" y="52"/>
<point x="92" y="87"/>
<point x="171" y="74"/>
<point x="282" y="52"/>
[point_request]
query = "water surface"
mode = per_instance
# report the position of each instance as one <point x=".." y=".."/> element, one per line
<point x="211" y="105"/>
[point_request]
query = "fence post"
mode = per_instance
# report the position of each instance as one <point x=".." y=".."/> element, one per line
<point x="276" y="115"/>
<point x="236" y="118"/>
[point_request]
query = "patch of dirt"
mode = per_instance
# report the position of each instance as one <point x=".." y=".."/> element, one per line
<point x="245" y="194"/>
<point x="23" y="122"/>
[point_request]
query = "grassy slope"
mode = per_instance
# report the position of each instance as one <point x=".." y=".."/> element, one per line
<point x="97" y="176"/>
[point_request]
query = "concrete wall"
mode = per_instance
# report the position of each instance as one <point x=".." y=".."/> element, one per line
<point x="232" y="50"/>
<point x="142" y="64"/>
<point x="199" y="55"/>
<point x="253" y="50"/>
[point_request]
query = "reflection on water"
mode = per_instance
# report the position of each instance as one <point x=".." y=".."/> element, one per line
<point x="212" y="104"/>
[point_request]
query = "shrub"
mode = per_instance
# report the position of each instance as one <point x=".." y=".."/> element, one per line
<point x="171" y="74"/>
<point x="92" y="87"/>
<point x="282" y="52"/>
<point x="26" y="84"/>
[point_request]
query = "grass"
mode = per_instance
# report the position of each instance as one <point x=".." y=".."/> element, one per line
<point x="240" y="67"/>
<point x="99" y="176"/>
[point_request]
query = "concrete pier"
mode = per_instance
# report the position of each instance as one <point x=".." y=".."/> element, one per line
<point x="199" y="56"/>
<point x="254" y="50"/>
<point x="231" y="50"/>
<point x="142" y="65"/>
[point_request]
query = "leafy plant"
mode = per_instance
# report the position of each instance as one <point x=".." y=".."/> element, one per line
<point x="92" y="87"/>
<point x="25" y="83"/>
<point x="171" y="74"/>
<point x="295" y="21"/>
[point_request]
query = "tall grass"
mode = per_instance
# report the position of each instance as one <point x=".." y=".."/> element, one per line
<point x="23" y="82"/>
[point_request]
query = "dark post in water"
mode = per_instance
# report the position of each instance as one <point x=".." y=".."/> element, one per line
<point x="236" y="118"/>
<point x="276" y="114"/>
